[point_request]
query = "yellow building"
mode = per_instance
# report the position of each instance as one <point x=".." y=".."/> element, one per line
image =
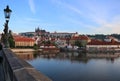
<point x="23" y="41"/>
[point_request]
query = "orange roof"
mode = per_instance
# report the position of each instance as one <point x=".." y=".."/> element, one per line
<point x="52" y="39"/>
<point x="99" y="42"/>
<point x="83" y="37"/>
<point x="75" y="38"/>
<point x="23" y="39"/>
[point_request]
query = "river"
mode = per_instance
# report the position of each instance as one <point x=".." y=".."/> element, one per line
<point x="75" y="67"/>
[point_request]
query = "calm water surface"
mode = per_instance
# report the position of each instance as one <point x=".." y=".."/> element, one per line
<point x="76" y="67"/>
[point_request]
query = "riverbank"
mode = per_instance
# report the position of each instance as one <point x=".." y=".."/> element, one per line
<point x="22" y="50"/>
<point x="45" y="50"/>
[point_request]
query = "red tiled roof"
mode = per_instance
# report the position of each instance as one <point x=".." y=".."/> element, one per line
<point x="52" y="39"/>
<point x="99" y="42"/>
<point x="23" y="39"/>
<point x="83" y="37"/>
<point x="75" y="38"/>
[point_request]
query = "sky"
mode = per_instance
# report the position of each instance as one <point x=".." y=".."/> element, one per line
<point x="82" y="16"/>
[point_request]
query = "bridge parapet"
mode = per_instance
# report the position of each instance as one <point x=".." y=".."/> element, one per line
<point x="16" y="69"/>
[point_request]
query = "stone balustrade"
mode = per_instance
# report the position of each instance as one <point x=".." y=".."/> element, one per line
<point x="16" y="69"/>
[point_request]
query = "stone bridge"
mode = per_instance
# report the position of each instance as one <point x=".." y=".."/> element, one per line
<point x="12" y="68"/>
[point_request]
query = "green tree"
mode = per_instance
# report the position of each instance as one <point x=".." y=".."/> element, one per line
<point x="81" y="43"/>
<point x="2" y="38"/>
<point x="35" y="46"/>
<point x="11" y="40"/>
<point x="77" y="43"/>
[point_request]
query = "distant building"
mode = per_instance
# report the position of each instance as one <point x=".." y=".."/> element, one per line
<point x="62" y="34"/>
<point x="23" y="41"/>
<point x="37" y="32"/>
<point x="102" y="45"/>
<point x="110" y="38"/>
<point x="61" y="42"/>
<point x="40" y="32"/>
<point x="81" y="38"/>
<point x="28" y="34"/>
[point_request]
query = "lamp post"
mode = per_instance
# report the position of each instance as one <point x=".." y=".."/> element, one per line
<point x="7" y="13"/>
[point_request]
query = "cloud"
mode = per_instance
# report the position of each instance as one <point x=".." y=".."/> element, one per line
<point x="68" y="6"/>
<point x="97" y="17"/>
<point x="102" y="15"/>
<point x="104" y="27"/>
<point x="32" y="6"/>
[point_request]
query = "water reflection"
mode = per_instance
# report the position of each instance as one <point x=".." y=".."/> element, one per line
<point x="71" y="56"/>
<point x="25" y="56"/>
<point x="75" y="66"/>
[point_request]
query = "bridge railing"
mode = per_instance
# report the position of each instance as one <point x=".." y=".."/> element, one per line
<point x="16" y="69"/>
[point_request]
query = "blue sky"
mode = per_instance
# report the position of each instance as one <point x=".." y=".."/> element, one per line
<point x="82" y="16"/>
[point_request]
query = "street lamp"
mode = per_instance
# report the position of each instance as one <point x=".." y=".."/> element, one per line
<point x="7" y="13"/>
